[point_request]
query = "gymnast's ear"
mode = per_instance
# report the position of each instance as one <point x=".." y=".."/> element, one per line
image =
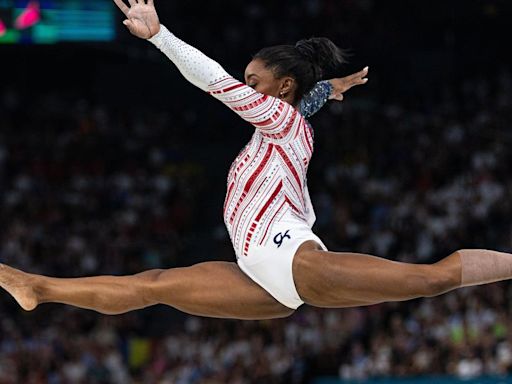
<point x="287" y="87"/>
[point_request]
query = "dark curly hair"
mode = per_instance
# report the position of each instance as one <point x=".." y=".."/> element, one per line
<point x="308" y="62"/>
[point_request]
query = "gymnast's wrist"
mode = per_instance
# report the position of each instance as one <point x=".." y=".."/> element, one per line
<point x="162" y="31"/>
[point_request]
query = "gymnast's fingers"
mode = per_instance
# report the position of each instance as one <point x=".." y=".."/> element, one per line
<point x="355" y="79"/>
<point x="122" y="6"/>
<point x="360" y="74"/>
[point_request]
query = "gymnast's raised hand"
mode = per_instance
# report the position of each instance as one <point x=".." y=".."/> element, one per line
<point x="141" y="18"/>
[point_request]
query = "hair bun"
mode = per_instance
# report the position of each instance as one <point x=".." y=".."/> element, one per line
<point x="322" y="53"/>
<point x="307" y="51"/>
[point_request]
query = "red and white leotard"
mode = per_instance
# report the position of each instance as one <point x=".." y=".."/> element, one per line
<point x="268" y="178"/>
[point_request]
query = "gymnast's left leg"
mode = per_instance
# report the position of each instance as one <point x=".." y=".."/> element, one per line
<point x="212" y="289"/>
<point x="330" y="279"/>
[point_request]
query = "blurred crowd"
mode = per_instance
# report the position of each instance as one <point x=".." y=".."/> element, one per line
<point x="89" y="187"/>
<point x="91" y="190"/>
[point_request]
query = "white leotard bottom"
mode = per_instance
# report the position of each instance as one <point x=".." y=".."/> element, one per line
<point x="270" y="264"/>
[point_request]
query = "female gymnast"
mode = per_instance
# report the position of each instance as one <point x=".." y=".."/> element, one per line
<point x="281" y="264"/>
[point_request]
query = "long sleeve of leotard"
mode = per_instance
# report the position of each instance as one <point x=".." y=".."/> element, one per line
<point x="274" y="118"/>
<point x="316" y="98"/>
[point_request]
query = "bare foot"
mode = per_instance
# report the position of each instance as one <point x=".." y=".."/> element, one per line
<point x="17" y="283"/>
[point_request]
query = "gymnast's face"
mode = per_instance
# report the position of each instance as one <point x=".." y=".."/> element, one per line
<point x="264" y="81"/>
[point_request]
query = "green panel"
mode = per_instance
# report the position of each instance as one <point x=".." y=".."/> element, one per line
<point x="11" y="36"/>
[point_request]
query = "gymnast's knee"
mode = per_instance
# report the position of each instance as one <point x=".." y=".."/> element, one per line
<point x="434" y="281"/>
<point x="151" y="284"/>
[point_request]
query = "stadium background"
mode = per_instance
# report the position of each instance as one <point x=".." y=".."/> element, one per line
<point x="110" y="163"/>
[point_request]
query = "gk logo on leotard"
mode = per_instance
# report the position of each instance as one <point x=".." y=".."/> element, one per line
<point x="279" y="238"/>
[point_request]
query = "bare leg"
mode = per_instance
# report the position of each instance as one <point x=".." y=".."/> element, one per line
<point x="329" y="279"/>
<point x="213" y="289"/>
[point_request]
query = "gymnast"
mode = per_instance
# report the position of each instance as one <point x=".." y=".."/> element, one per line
<point x="281" y="264"/>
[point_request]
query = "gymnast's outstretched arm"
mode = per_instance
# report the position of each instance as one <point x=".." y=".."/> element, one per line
<point x="266" y="113"/>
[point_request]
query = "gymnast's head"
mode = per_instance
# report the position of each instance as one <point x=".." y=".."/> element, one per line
<point x="290" y="71"/>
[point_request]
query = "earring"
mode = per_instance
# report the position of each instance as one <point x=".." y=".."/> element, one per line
<point x="281" y="94"/>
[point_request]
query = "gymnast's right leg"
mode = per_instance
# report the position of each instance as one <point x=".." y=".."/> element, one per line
<point x="337" y="280"/>
<point x="211" y="289"/>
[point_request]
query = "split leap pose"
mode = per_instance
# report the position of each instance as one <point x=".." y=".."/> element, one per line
<point x="281" y="264"/>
